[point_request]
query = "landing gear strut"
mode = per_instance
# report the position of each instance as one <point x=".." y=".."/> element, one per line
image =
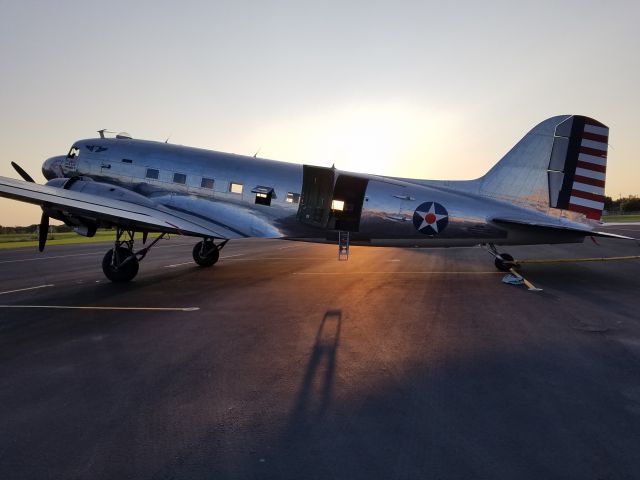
<point x="206" y="253"/>
<point x="121" y="263"/>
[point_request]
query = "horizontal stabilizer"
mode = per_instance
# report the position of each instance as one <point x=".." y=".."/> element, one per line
<point x="612" y="235"/>
<point x="560" y="228"/>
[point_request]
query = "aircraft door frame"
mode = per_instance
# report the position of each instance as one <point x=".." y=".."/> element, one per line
<point x="348" y="200"/>
<point x="331" y="201"/>
<point x="316" y="195"/>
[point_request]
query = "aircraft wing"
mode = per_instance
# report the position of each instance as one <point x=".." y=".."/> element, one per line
<point x="109" y="211"/>
<point x="559" y="228"/>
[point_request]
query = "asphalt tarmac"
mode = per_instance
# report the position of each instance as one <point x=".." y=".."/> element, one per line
<point x="281" y="362"/>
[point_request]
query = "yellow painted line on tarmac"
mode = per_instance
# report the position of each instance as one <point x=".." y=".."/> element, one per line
<point x="135" y="309"/>
<point x="575" y="260"/>
<point x="26" y="289"/>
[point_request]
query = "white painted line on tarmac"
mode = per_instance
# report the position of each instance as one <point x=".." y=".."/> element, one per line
<point x="293" y="246"/>
<point x="236" y="255"/>
<point x="179" y="264"/>
<point x="101" y="252"/>
<point x="26" y="289"/>
<point x="417" y="272"/>
<point x="193" y="263"/>
<point x="33" y="259"/>
<point x="137" y="309"/>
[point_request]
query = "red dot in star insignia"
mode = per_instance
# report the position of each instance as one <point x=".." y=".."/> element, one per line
<point x="430" y="218"/>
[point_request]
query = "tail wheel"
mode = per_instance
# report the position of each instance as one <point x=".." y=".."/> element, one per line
<point x="123" y="268"/>
<point x="206" y="253"/>
<point x="505" y="263"/>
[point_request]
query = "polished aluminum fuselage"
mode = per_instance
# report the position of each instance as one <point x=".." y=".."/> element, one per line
<point x="386" y="215"/>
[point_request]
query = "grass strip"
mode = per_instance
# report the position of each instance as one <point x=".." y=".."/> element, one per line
<point x="66" y="238"/>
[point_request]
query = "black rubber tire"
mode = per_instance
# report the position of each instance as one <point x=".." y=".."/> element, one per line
<point x="126" y="272"/>
<point x="210" y="256"/>
<point x="502" y="266"/>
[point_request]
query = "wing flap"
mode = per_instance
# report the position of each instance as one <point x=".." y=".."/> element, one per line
<point x="116" y="212"/>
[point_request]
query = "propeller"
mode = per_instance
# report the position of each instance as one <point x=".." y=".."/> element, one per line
<point x="43" y="231"/>
<point x="22" y="172"/>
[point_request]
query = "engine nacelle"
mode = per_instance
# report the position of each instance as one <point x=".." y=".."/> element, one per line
<point x="86" y="230"/>
<point x="103" y="190"/>
<point x="87" y="226"/>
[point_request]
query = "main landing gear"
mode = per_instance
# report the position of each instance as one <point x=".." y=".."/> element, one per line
<point x="121" y="263"/>
<point x="206" y="253"/>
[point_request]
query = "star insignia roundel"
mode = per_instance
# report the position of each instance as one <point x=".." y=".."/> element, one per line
<point x="430" y="218"/>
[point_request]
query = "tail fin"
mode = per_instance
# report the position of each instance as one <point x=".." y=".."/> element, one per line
<point x="560" y="164"/>
<point x="578" y="166"/>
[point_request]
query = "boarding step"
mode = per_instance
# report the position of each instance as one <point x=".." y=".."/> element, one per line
<point x="343" y="246"/>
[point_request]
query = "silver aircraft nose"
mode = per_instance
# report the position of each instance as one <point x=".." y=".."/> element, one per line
<point x="52" y="167"/>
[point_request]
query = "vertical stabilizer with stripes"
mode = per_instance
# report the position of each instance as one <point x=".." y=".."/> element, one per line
<point x="578" y="166"/>
<point x="558" y="168"/>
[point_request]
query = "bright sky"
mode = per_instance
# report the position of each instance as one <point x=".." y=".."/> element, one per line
<point x="406" y="88"/>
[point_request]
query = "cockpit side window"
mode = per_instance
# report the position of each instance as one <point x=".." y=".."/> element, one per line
<point x="73" y="152"/>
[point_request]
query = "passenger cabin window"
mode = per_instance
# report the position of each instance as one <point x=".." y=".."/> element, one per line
<point x="179" y="178"/>
<point x="207" y="183"/>
<point x="153" y="173"/>
<point x="127" y="160"/>
<point x="235" y="187"/>
<point x="293" y="197"/>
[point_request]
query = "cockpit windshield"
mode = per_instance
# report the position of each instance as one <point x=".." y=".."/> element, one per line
<point x="73" y="152"/>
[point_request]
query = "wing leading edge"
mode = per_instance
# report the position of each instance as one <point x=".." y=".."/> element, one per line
<point x="118" y="213"/>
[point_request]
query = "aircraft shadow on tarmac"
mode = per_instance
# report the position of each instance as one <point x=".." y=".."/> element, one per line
<point x="315" y="394"/>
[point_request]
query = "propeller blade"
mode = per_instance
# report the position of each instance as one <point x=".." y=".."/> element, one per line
<point x="22" y="172"/>
<point x="43" y="231"/>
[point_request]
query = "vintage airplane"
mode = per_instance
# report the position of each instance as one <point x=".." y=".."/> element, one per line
<point x="549" y="188"/>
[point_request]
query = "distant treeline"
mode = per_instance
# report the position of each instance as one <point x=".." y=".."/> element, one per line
<point x="622" y="204"/>
<point x="32" y="229"/>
